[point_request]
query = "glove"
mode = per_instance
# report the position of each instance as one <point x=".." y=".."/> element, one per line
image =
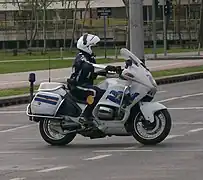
<point x="110" y="68"/>
<point x="93" y="55"/>
<point x="94" y="76"/>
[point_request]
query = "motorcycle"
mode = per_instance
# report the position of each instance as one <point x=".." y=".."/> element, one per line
<point x="125" y="109"/>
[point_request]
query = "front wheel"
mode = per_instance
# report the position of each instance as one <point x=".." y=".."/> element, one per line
<point x="149" y="133"/>
<point x="53" y="134"/>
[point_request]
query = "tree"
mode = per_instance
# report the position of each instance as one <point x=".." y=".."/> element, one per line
<point x="179" y="23"/>
<point x="74" y="25"/>
<point x="44" y="4"/>
<point x="189" y="24"/>
<point x="87" y="6"/>
<point x="201" y="26"/>
<point x="67" y="6"/>
<point x="28" y="14"/>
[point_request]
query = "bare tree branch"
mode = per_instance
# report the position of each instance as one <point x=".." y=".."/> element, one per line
<point x="65" y="25"/>
<point x="74" y="25"/>
<point x="201" y="26"/>
<point x="126" y="2"/>
<point x="84" y="18"/>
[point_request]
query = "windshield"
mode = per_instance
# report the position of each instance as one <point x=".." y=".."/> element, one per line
<point x="126" y="54"/>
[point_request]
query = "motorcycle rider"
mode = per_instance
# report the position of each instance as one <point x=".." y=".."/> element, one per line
<point x="84" y="75"/>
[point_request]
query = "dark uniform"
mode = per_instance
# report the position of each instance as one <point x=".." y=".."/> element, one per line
<point x="84" y="76"/>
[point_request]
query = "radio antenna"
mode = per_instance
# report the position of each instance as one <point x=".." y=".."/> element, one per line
<point x="49" y="70"/>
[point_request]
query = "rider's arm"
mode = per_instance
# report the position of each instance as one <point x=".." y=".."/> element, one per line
<point x="107" y="68"/>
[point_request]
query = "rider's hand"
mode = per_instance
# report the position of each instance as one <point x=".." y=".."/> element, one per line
<point x="94" y="75"/>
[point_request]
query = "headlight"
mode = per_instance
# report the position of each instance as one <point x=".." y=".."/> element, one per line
<point x="152" y="80"/>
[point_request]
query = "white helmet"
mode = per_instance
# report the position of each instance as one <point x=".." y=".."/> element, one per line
<point x="86" y="41"/>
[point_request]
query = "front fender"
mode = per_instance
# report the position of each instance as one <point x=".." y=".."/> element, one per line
<point x="149" y="108"/>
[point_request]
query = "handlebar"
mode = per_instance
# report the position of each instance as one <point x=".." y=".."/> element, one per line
<point x="101" y="73"/>
<point x="118" y="70"/>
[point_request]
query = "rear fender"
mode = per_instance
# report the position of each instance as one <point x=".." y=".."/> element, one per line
<point x="149" y="108"/>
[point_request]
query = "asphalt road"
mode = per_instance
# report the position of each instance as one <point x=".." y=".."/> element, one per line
<point x="25" y="156"/>
<point x="14" y="80"/>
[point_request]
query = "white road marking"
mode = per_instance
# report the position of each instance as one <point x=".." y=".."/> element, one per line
<point x="122" y="150"/>
<point x="195" y="130"/>
<point x="16" y="128"/>
<point x="1" y="125"/>
<point x="185" y="108"/>
<point x="180" y="97"/>
<point x="133" y="147"/>
<point x="151" y="150"/>
<point x="43" y="158"/>
<point x="16" y="152"/>
<point x="173" y="136"/>
<point x="188" y="123"/>
<point x="25" y="140"/>
<point x="97" y="157"/>
<point x="54" y="169"/>
<point x="168" y="137"/>
<point x="18" y="178"/>
<point x="12" y="112"/>
<point x="129" y="149"/>
<point x="22" y="138"/>
<point x="197" y="123"/>
<point x="122" y="177"/>
<point x="161" y="92"/>
<point x="185" y="150"/>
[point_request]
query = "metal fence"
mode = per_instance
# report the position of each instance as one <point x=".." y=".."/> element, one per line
<point x="13" y="34"/>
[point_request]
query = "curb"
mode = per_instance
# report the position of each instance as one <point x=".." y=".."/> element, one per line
<point x="179" y="78"/>
<point x="25" y="99"/>
<point x="176" y="58"/>
<point x="14" y="100"/>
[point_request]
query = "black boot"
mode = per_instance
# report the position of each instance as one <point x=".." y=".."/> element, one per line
<point x="86" y="121"/>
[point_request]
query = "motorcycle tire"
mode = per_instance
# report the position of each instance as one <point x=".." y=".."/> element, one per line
<point x="157" y="139"/>
<point x="66" y="139"/>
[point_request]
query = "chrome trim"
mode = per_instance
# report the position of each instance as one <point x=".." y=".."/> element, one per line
<point x="119" y="110"/>
<point x="105" y="108"/>
<point x="59" y="106"/>
<point x="41" y="116"/>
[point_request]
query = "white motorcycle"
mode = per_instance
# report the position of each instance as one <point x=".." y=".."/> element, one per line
<point x="125" y="109"/>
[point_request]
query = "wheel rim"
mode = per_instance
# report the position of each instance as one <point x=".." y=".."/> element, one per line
<point x="147" y="130"/>
<point x="48" y="127"/>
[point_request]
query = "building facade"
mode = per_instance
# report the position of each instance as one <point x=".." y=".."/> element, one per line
<point x="17" y="24"/>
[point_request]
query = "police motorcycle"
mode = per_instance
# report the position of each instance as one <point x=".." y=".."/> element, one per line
<point x="126" y="108"/>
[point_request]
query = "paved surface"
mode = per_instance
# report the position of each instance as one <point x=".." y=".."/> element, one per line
<point x="14" y="80"/>
<point x="25" y="156"/>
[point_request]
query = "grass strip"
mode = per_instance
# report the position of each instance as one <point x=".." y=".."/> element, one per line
<point x="156" y="74"/>
<point x="25" y="66"/>
<point x="98" y="51"/>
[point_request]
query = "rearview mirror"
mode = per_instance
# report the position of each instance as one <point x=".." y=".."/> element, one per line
<point x="128" y="63"/>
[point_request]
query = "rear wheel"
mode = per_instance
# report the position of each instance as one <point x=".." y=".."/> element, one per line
<point x="149" y="133"/>
<point x="53" y="134"/>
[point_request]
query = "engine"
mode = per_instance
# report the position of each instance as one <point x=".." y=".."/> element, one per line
<point x="109" y="113"/>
